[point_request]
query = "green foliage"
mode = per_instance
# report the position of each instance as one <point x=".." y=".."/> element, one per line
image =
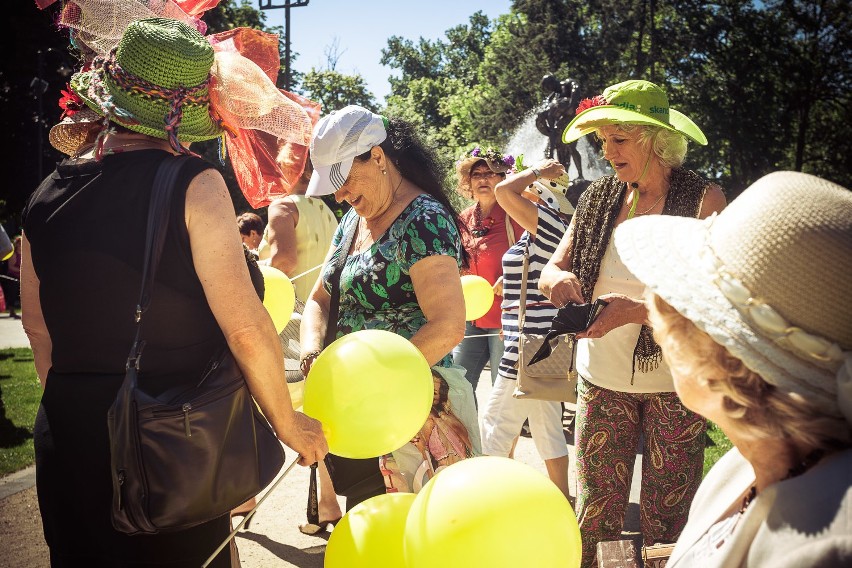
<point x="228" y="15"/>
<point x="20" y="394"/>
<point x="768" y="82"/>
<point x="719" y="448"/>
<point x="334" y="90"/>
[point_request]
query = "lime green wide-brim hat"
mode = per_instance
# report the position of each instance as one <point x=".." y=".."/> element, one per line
<point x="155" y="58"/>
<point x="636" y="102"/>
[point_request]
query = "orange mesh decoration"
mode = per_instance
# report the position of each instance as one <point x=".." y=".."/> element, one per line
<point x="269" y="151"/>
<point x="270" y="129"/>
<point x="197" y="7"/>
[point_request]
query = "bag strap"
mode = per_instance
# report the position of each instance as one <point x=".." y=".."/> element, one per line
<point x="510" y="231"/>
<point x="159" y="211"/>
<point x="339" y="261"/>
<point x="522" y="307"/>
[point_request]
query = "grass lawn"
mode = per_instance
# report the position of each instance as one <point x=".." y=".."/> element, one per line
<point x="720" y="446"/>
<point x="20" y="393"/>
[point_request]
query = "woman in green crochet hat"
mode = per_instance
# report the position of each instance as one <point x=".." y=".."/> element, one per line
<point x="625" y="390"/>
<point x="85" y="232"/>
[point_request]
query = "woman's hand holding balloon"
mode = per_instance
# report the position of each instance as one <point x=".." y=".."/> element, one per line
<point x="305" y="436"/>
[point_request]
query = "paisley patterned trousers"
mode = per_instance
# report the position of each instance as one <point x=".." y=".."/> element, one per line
<point x="608" y="430"/>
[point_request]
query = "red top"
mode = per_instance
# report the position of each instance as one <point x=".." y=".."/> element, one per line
<point x="486" y="254"/>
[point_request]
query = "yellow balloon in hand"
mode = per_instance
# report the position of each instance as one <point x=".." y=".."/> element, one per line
<point x="370" y="534"/>
<point x="478" y="296"/>
<point x="279" y="297"/>
<point x="495" y="512"/>
<point x="372" y="390"/>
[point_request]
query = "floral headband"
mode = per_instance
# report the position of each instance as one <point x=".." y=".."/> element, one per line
<point x="494" y="159"/>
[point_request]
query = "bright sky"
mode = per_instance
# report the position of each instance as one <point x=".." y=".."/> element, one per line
<point x="363" y="28"/>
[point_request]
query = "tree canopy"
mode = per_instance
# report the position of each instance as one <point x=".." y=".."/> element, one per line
<point x="768" y="82"/>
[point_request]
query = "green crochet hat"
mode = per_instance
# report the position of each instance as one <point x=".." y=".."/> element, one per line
<point x="632" y="101"/>
<point x="155" y="82"/>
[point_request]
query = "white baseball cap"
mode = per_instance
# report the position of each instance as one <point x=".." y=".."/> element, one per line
<point x="338" y="138"/>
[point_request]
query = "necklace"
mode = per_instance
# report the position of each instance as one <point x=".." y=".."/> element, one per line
<point x="632" y="213"/>
<point x="808" y="462"/>
<point x="479" y="230"/>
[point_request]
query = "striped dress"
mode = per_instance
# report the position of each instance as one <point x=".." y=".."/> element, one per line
<point x="539" y="309"/>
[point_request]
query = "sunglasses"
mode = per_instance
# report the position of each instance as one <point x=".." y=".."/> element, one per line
<point x="484" y="175"/>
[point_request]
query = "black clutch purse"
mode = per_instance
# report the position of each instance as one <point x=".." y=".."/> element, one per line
<point x="570" y="319"/>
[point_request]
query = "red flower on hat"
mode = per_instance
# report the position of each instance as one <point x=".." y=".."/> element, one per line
<point x="586" y="104"/>
<point x="69" y="102"/>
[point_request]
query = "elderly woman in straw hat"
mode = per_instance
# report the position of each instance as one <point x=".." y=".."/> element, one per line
<point x="153" y="90"/>
<point x="490" y="234"/>
<point x="542" y="214"/>
<point x="767" y="357"/>
<point x="625" y="391"/>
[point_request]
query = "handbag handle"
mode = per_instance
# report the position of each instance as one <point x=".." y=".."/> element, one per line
<point x="510" y="231"/>
<point x="522" y="307"/>
<point x="159" y="211"/>
<point x="339" y="261"/>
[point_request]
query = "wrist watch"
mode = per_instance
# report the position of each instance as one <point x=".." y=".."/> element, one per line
<point x="537" y="173"/>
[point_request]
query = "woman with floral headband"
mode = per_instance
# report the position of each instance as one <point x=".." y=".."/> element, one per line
<point x="543" y="215"/>
<point x="153" y="92"/>
<point x="768" y="358"/>
<point x="625" y="391"/>
<point x="491" y="233"/>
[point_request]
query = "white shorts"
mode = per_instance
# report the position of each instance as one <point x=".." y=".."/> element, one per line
<point x="504" y="415"/>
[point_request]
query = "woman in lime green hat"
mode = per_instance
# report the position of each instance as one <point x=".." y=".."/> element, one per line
<point x="153" y="92"/>
<point x="626" y="391"/>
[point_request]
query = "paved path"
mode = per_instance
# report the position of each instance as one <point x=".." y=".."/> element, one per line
<point x="12" y="333"/>
<point x="273" y="539"/>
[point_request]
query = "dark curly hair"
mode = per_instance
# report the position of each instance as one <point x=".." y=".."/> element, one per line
<point x="419" y="164"/>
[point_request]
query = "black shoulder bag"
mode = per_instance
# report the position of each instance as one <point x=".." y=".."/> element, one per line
<point x="352" y="478"/>
<point x="192" y="454"/>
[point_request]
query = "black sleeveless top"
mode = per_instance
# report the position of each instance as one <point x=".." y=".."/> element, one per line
<point x="86" y="226"/>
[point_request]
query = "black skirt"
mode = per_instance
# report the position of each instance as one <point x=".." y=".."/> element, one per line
<point x="75" y="487"/>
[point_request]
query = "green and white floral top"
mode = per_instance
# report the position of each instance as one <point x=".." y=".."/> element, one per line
<point x="376" y="291"/>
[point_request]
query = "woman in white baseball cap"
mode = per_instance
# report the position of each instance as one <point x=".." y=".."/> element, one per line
<point x="395" y="258"/>
<point x="753" y="312"/>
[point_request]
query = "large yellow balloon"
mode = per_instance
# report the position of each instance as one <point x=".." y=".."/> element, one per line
<point x="491" y="511"/>
<point x="370" y="534"/>
<point x="372" y="390"/>
<point x="478" y="296"/>
<point x="279" y="297"/>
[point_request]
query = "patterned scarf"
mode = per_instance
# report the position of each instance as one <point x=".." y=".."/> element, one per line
<point x="593" y="225"/>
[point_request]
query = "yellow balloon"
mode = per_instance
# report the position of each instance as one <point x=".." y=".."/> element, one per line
<point x="372" y="390"/>
<point x="478" y="296"/>
<point x="370" y="534"/>
<point x="491" y="511"/>
<point x="279" y="297"/>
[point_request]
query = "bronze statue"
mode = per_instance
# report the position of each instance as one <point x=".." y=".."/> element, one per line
<point x="554" y="114"/>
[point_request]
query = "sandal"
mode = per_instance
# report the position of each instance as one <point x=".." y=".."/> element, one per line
<point x="322" y="526"/>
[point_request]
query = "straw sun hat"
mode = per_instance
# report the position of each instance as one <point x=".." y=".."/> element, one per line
<point x="767" y="279"/>
<point x="156" y="81"/>
<point x="72" y="132"/>
<point x="632" y="101"/>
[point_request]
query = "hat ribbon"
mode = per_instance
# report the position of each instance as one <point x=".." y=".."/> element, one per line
<point x="177" y="97"/>
<point x="810" y="347"/>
